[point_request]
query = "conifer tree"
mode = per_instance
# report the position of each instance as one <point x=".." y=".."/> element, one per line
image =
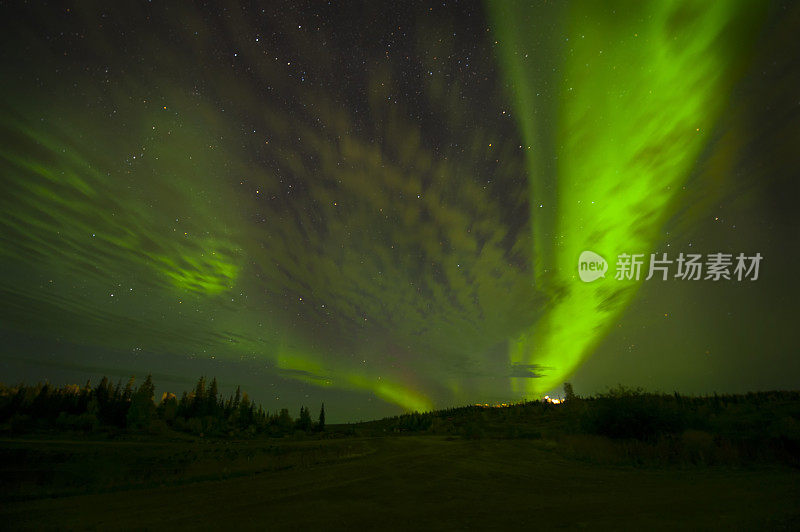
<point x="285" y="421"/>
<point x="321" y="423"/>
<point x="142" y="409"/>
<point x="211" y="399"/>
<point x="199" y="399"/>
<point x="237" y="398"/>
<point x="304" y="422"/>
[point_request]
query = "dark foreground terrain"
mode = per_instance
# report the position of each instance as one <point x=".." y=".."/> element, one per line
<point x="393" y="482"/>
<point x="621" y="460"/>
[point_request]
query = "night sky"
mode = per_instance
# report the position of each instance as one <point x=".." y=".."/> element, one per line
<point x="381" y="205"/>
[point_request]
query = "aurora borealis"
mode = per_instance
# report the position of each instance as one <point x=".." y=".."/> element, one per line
<point x="608" y="177"/>
<point x="381" y="206"/>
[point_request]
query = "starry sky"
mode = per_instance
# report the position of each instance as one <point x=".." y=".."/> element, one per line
<point x="381" y="205"/>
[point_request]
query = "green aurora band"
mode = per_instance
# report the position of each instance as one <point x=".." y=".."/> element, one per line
<point x="222" y="209"/>
<point x="140" y="215"/>
<point x="616" y="104"/>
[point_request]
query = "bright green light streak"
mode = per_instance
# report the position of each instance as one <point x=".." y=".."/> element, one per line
<point x="618" y="118"/>
<point x="64" y="194"/>
<point x="305" y="367"/>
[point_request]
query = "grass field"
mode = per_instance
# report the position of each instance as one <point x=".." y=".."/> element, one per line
<point x="396" y="482"/>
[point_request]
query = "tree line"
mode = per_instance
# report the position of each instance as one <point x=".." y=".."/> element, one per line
<point x="619" y="413"/>
<point x="109" y="407"/>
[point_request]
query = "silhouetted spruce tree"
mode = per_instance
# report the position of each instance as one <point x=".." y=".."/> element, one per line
<point x="237" y="398"/>
<point x="142" y="409"/>
<point x="245" y="412"/>
<point x="304" y="421"/>
<point x="199" y="399"/>
<point x="321" y="422"/>
<point x="285" y="422"/>
<point x="83" y="399"/>
<point x="569" y="394"/>
<point x="261" y="419"/>
<point x="168" y="408"/>
<point x="118" y="410"/>
<point x="184" y="406"/>
<point x="41" y="405"/>
<point x="102" y="398"/>
<point x="116" y="391"/>
<point x="211" y="399"/>
<point x="227" y="407"/>
<point x="128" y="393"/>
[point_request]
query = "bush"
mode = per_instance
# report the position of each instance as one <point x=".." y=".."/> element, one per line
<point x="626" y="413"/>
